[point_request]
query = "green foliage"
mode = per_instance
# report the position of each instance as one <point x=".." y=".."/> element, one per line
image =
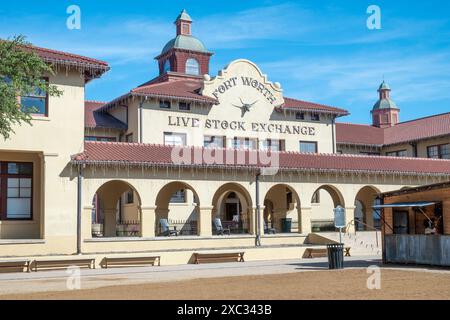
<point x="21" y="72"/>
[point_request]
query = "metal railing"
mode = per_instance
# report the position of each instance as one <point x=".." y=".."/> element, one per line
<point x="352" y="222"/>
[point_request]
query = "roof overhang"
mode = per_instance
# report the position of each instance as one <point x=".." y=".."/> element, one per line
<point x="420" y="204"/>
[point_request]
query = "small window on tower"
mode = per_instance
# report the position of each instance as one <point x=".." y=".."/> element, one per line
<point x="166" y="67"/>
<point x="186" y="28"/>
<point x="192" y="67"/>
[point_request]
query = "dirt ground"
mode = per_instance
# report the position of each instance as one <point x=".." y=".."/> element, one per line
<point x="346" y="284"/>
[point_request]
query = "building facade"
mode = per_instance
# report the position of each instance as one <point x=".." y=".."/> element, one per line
<point x="187" y="148"/>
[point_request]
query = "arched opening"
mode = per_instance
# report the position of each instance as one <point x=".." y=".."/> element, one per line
<point x="366" y="219"/>
<point x="232" y="204"/>
<point x="177" y="207"/>
<point x="323" y="201"/>
<point x="166" y="66"/>
<point x="192" y="67"/>
<point x="116" y="211"/>
<point x="282" y="210"/>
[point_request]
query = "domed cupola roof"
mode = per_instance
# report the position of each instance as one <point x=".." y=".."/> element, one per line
<point x="385" y="101"/>
<point x="184" y="39"/>
<point x="185" y="42"/>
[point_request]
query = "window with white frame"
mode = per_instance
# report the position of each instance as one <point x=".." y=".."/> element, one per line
<point x="308" y="147"/>
<point x="178" y="197"/>
<point x="192" y="67"/>
<point x="272" y="145"/>
<point x="244" y="143"/>
<point x="16" y="190"/>
<point x="213" y="142"/>
<point x="174" y="139"/>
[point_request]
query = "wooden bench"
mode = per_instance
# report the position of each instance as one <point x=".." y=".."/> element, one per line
<point x="15" y="265"/>
<point x="130" y="261"/>
<point x="322" y="252"/>
<point x="52" y="264"/>
<point x="218" y="257"/>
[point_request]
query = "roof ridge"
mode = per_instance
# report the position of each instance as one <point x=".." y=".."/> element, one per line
<point x="422" y="118"/>
<point x="314" y="103"/>
<point x="65" y="53"/>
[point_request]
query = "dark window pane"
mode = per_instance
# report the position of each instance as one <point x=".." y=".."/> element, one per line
<point x="33" y="105"/>
<point x="164" y="104"/>
<point x="20" y="168"/>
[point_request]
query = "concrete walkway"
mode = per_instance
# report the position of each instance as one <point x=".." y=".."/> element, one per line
<point x="61" y="280"/>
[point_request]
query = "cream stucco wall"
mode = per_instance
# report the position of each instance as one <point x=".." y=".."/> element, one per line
<point x="50" y="142"/>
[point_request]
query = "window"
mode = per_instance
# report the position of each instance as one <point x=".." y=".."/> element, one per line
<point x="300" y="116"/>
<point x="174" y="139"/>
<point x="16" y="191"/>
<point x="186" y="28"/>
<point x="129" y="138"/>
<point x="130" y="197"/>
<point x="178" y="197"/>
<point x="315" y="117"/>
<point x="213" y="142"/>
<point x="273" y="145"/>
<point x="164" y="104"/>
<point x="316" y="197"/>
<point x="102" y="139"/>
<point x="308" y="147"/>
<point x="166" y="66"/>
<point x="184" y="106"/>
<point x="401" y="153"/>
<point x="192" y="67"/>
<point x="439" y="152"/>
<point x="35" y="103"/>
<point x="244" y="143"/>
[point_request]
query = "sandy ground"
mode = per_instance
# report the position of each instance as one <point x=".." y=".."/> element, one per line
<point x="345" y="284"/>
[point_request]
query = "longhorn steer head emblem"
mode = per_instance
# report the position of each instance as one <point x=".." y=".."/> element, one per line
<point x="245" y="107"/>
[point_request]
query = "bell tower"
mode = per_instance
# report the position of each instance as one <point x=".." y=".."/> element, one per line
<point x="385" y="112"/>
<point x="184" y="55"/>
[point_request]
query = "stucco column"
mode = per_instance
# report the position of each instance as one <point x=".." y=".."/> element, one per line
<point x="349" y="216"/>
<point x="205" y="221"/>
<point x="160" y="214"/>
<point x="148" y="218"/>
<point x="86" y="222"/>
<point x="110" y="222"/>
<point x="261" y="219"/>
<point x="304" y="223"/>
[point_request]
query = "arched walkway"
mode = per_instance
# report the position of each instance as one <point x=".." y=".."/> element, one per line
<point x="116" y="210"/>
<point x="323" y="201"/>
<point x="232" y="204"/>
<point x="365" y="217"/>
<point x="281" y="205"/>
<point x="179" y="204"/>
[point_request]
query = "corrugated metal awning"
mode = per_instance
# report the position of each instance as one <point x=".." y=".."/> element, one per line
<point x="421" y="204"/>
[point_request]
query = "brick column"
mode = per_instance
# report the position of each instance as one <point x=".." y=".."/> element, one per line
<point x="205" y="221"/>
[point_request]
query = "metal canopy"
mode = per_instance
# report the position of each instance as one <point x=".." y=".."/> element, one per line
<point x="405" y="205"/>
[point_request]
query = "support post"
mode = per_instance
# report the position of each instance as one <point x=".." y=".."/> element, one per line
<point x="258" y="213"/>
<point x="305" y="220"/>
<point x="148" y="218"/>
<point x="79" y="208"/>
<point x="205" y="221"/>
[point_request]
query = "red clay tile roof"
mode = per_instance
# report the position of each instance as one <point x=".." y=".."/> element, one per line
<point x="348" y="133"/>
<point x="60" y="56"/>
<point x="187" y="89"/>
<point x="434" y="126"/>
<point x="159" y="155"/>
<point x="300" y="105"/>
<point x="423" y="128"/>
<point x="98" y="119"/>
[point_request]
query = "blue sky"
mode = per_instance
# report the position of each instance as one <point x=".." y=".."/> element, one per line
<point x="319" y="51"/>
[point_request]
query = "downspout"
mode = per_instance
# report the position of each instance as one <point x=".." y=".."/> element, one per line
<point x="79" y="208"/>
<point x="258" y="211"/>
<point x="140" y="122"/>
<point x="333" y="128"/>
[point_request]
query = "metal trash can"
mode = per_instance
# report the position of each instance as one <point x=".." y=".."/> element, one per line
<point x="335" y="255"/>
<point x="286" y="225"/>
